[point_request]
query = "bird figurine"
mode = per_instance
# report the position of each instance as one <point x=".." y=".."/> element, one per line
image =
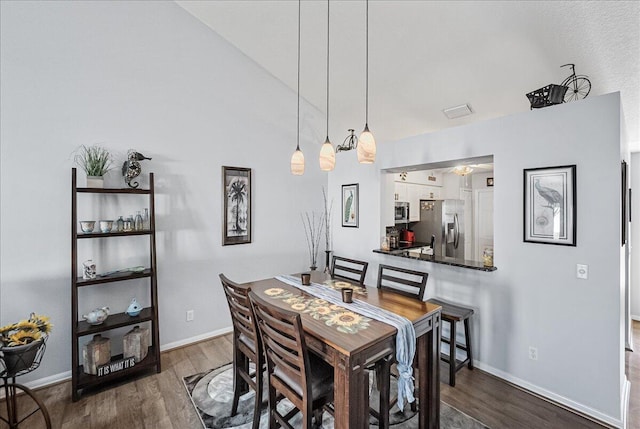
<point x="134" y="308"/>
<point x="131" y="167"/>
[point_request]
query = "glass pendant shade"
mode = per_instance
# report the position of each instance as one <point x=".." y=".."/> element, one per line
<point x="327" y="156"/>
<point x="462" y="170"/>
<point x="366" y="147"/>
<point x="297" y="163"/>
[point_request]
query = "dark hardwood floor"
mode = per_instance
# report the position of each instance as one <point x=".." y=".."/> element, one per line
<point x="159" y="401"/>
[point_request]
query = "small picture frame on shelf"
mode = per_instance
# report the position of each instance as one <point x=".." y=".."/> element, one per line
<point x="236" y="197"/>
<point x="489" y="182"/>
<point x="550" y="205"/>
<point x="350" y="205"/>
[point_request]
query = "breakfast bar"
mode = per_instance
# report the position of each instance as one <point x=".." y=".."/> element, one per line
<point x="405" y="251"/>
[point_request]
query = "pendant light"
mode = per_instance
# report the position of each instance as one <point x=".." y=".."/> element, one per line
<point x="327" y="152"/>
<point x="297" y="159"/>
<point x="366" y="142"/>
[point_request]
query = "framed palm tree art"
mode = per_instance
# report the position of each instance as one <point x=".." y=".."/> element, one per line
<point x="236" y="196"/>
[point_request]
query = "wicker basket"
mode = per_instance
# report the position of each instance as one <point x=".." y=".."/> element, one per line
<point x="547" y="96"/>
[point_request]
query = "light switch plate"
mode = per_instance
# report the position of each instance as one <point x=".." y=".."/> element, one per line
<point x="582" y="271"/>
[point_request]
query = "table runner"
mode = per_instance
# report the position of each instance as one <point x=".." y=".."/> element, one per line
<point x="405" y="339"/>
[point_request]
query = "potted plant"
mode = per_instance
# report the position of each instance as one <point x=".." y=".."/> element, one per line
<point x="95" y="161"/>
<point x="21" y="341"/>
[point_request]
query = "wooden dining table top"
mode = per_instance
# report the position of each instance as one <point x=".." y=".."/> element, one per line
<point x="324" y="324"/>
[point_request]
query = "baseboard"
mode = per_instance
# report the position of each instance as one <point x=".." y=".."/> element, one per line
<point x="636" y="318"/>
<point x="44" y="382"/>
<point x="560" y="400"/>
<point x="196" y="339"/>
<point x="626" y="393"/>
<point x="64" y="376"/>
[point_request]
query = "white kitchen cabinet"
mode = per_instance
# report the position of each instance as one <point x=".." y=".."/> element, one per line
<point x="414" y="201"/>
<point x="413" y="193"/>
<point x="402" y="192"/>
<point x="430" y="193"/>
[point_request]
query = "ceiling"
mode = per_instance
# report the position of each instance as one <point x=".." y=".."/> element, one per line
<point x="425" y="56"/>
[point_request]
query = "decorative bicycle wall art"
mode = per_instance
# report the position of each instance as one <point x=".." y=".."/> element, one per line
<point x="574" y="87"/>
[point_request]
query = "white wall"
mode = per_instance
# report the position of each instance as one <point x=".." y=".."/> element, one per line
<point x="534" y="298"/>
<point x="142" y="75"/>
<point x="635" y="238"/>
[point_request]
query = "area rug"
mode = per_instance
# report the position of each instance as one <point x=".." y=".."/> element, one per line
<point x="211" y="393"/>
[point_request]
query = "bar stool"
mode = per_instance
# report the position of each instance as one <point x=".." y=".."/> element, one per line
<point x="453" y="314"/>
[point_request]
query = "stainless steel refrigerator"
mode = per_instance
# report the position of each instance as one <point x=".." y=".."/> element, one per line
<point x="443" y="219"/>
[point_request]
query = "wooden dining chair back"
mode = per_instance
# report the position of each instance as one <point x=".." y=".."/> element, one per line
<point x="247" y="347"/>
<point x="403" y="281"/>
<point x="349" y="269"/>
<point x="294" y="373"/>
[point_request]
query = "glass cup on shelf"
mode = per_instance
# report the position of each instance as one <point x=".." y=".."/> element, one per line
<point x="120" y="224"/>
<point x="137" y="225"/>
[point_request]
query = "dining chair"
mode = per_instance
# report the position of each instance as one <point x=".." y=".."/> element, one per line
<point x="405" y="282"/>
<point x="349" y="269"/>
<point x="293" y="372"/>
<point x="247" y="347"/>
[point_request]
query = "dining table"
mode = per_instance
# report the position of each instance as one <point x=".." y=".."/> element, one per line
<point x="351" y="343"/>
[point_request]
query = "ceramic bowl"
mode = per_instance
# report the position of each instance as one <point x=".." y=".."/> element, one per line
<point x="87" y="225"/>
<point x="106" y="225"/>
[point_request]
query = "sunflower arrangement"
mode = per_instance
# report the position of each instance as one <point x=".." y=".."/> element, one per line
<point x="24" y="332"/>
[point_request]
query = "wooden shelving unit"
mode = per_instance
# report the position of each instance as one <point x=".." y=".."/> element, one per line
<point x="80" y="380"/>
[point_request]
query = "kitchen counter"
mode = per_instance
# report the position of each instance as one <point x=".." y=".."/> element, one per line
<point x="403" y="252"/>
<point x="405" y="245"/>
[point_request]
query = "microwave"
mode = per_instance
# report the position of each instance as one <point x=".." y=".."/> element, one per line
<point x="402" y="212"/>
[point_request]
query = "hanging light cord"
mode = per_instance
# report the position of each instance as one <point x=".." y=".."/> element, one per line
<point x="366" y="116"/>
<point x="328" y="2"/>
<point x="298" y="135"/>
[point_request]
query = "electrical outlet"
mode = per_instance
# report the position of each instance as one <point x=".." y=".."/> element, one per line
<point x="582" y="271"/>
<point x="533" y="353"/>
<point x="190" y="316"/>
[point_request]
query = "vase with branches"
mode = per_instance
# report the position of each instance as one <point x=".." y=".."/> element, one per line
<point x="328" y="207"/>
<point x="313" y="231"/>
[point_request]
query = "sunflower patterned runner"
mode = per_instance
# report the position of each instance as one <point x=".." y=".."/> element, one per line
<point x="339" y="285"/>
<point x="344" y="320"/>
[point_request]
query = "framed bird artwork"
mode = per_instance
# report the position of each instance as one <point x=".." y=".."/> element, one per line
<point x="350" y="205"/>
<point x="550" y="205"/>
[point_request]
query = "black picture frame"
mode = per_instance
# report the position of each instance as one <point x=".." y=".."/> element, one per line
<point x="236" y="203"/>
<point x="549" y="210"/>
<point x="489" y="182"/>
<point x="625" y="208"/>
<point x="350" y="205"/>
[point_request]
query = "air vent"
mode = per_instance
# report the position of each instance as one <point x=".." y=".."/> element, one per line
<point x="458" y="111"/>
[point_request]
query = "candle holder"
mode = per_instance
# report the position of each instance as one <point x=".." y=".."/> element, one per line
<point x="306" y="279"/>
<point x="347" y="295"/>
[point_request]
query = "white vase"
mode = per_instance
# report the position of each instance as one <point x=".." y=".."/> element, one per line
<point x="95" y="182"/>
